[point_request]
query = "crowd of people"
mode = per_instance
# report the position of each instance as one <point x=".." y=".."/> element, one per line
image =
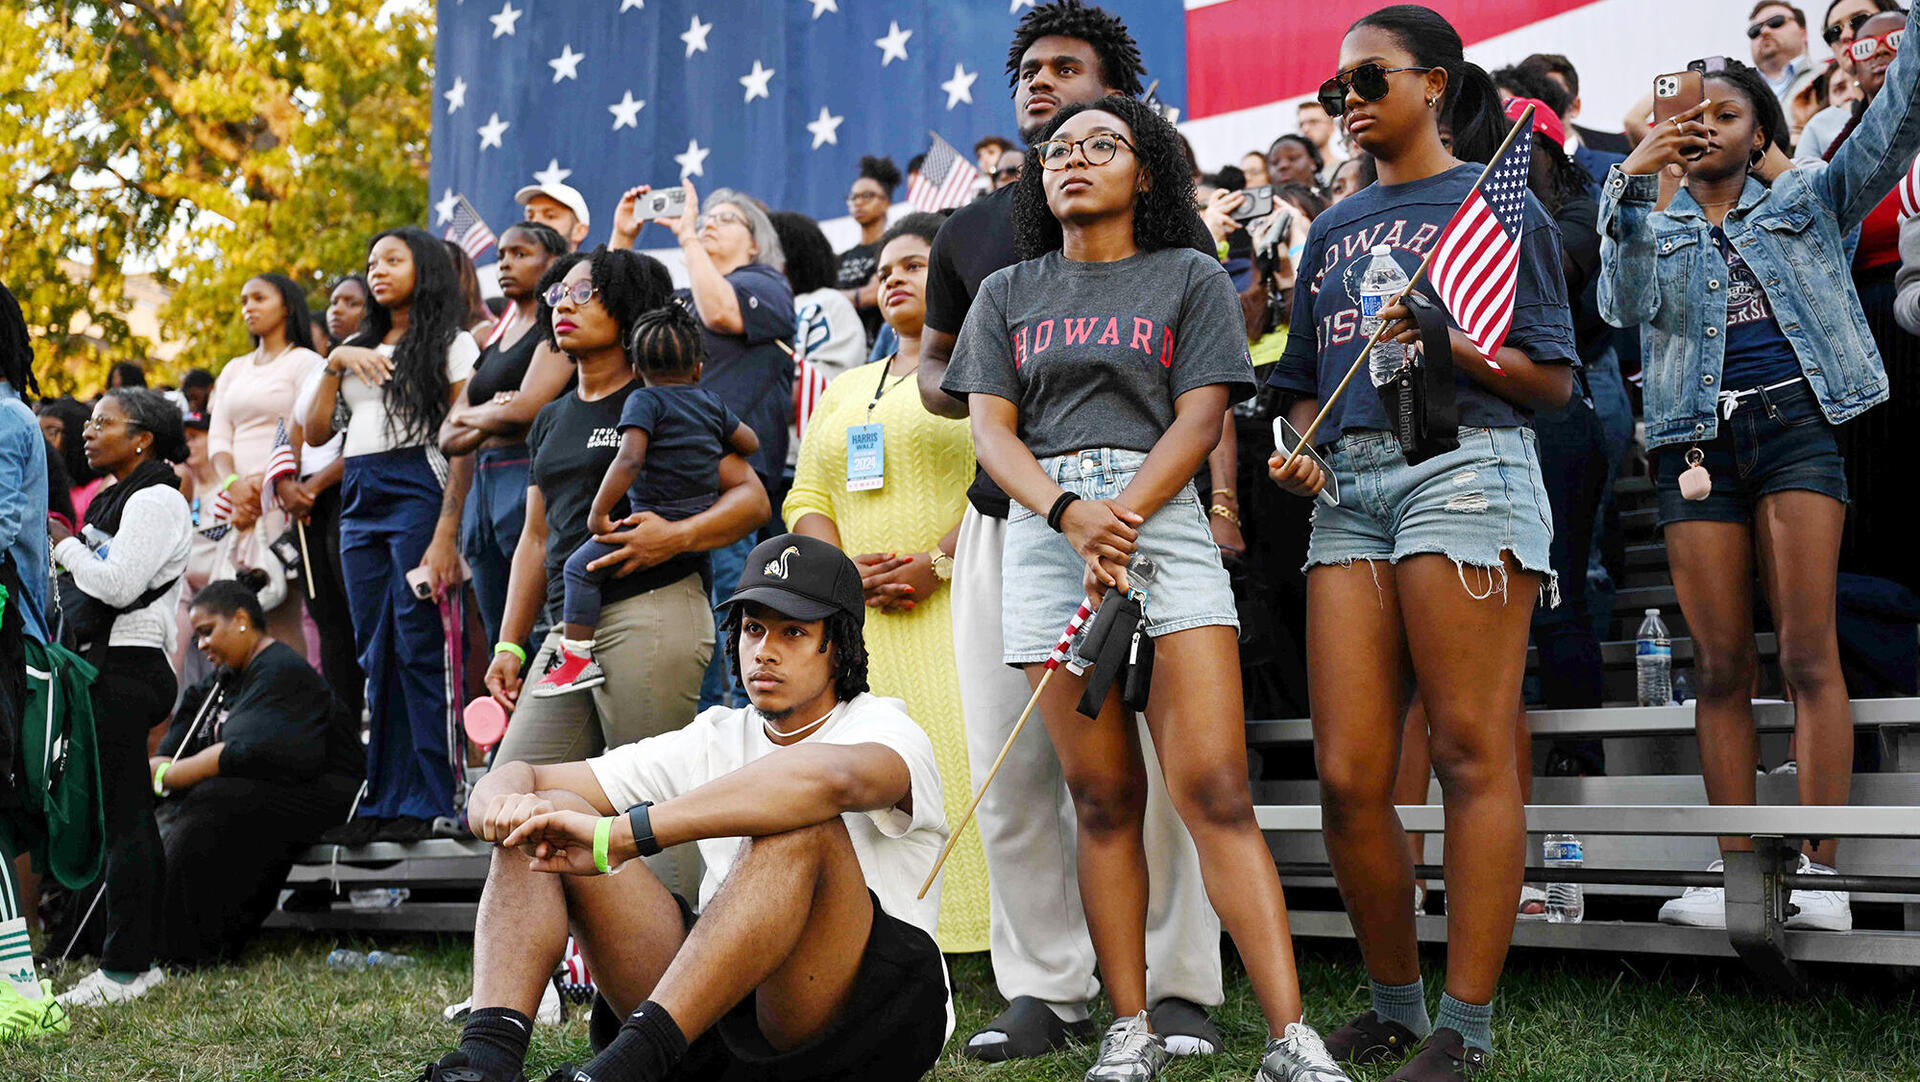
<point x="894" y="472"/>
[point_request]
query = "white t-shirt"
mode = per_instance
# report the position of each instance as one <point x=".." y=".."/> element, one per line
<point x="367" y="432"/>
<point x="896" y="850"/>
<point x="315" y="459"/>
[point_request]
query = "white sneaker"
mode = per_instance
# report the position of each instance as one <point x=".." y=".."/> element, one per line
<point x="1298" y="1055"/>
<point x="1130" y="1052"/>
<point x="1820" y="910"/>
<point x="96" y="989"/>
<point x="549" y="1014"/>
<point x="1699" y="907"/>
<point x="1532" y="895"/>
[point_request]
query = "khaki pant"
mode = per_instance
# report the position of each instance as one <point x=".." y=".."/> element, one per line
<point x="654" y="648"/>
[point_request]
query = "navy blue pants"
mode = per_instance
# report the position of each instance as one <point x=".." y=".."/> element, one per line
<point x="391" y="502"/>
<point x="490" y="528"/>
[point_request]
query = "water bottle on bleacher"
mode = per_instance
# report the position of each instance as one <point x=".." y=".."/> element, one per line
<point x="1653" y="661"/>
<point x="1566" y="902"/>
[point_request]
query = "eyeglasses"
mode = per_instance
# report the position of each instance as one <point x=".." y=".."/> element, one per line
<point x="1775" y="23"/>
<point x="1865" y="48"/>
<point x="1852" y="26"/>
<point x="581" y="291"/>
<point x="727" y="217"/>
<point x="1011" y="172"/>
<point x="1097" y="149"/>
<point x="864" y="197"/>
<point x="1369" y="80"/>
<point x="95" y="424"/>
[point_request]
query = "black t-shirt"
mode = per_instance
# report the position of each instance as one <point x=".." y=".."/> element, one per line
<point x="501" y="368"/>
<point x="857" y="265"/>
<point x="688" y="432"/>
<point x="573" y="443"/>
<point x="974" y="243"/>
<point x="280" y="723"/>
<point x="749" y="371"/>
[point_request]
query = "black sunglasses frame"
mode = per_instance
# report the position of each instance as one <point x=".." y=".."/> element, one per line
<point x="1831" y="35"/>
<point x="1775" y="23"/>
<point x="1333" y="92"/>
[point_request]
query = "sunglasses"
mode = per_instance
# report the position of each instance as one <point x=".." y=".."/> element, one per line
<point x="1097" y="149"/>
<point x="1008" y="172"/>
<point x="1865" y="48"/>
<point x="1369" y="80"/>
<point x="581" y="292"/>
<point x="1852" y="26"/>
<point x="1775" y="23"/>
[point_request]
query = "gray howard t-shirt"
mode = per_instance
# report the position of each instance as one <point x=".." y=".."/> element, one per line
<point x="1094" y="354"/>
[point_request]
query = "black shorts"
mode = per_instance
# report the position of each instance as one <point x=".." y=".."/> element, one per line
<point x="891" y="1029"/>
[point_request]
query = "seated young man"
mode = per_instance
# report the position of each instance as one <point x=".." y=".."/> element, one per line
<point x="818" y="812"/>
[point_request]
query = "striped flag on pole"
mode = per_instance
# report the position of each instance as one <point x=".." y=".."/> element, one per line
<point x="945" y="179"/>
<point x="1475" y="266"/>
<point x="1909" y="192"/>
<point x="467" y="229"/>
<point x="283" y="463"/>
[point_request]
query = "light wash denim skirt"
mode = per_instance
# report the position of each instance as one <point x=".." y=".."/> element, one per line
<point x="1042" y="583"/>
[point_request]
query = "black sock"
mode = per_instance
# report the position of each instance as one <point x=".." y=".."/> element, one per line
<point x="495" y="1041"/>
<point x="649" y="1045"/>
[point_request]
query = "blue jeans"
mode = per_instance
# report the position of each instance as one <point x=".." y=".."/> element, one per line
<point x="490" y="527"/>
<point x="1615" y="410"/>
<point x="1573" y="463"/>
<point x="718" y="687"/>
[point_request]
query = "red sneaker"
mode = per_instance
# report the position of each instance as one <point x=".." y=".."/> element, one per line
<point x="576" y="672"/>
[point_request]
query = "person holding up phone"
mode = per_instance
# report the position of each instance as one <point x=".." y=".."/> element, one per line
<point x="1758" y="349"/>
<point x="1423" y="574"/>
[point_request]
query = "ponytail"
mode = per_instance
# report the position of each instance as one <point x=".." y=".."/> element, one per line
<point x="1471" y="109"/>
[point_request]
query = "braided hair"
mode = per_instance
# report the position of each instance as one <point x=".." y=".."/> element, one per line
<point x="16" y="350"/>
<point x="1120" y="63"/>
<point x="667" y="341"/>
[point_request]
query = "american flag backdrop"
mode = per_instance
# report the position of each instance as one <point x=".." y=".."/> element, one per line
<point x="776" y="98"/>
<point x="1475" y="264"/>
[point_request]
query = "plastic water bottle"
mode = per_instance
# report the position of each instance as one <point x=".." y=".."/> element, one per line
<point x="1381" y="282"/>
<point x="1566" y="902"/>
<point x="378" y="898"/>
<point x="1653" y="661"/>
<point x="346" y="961"/>
<point x="388" y="960"/>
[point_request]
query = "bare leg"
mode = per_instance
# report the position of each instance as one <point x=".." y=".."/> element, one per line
<point x="1801" y="530"/>
<point x="1713" y="574"/>
<point x="1358" y="654"/>
<point x="1468" y="657"/>
<point x="1107" y="779"/>
<point x="1195" y="715"/>
<point x="1416" y="766"/>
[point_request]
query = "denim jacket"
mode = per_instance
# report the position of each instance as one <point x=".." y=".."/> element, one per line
<point x="1661" y="270"/>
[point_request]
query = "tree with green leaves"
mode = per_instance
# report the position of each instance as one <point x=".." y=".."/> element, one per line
<point x="209" y="140"/>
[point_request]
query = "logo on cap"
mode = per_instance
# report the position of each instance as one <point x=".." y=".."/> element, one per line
<point x="777" y="567"/>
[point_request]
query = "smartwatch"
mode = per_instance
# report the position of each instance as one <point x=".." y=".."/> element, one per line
<point x="642" y="823"/>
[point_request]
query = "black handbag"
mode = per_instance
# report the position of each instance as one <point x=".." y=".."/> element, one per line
<point x="86" y="620"/>
<point x="1419" y="399"/>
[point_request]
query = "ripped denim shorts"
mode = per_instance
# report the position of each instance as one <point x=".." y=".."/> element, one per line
<point x="1470" y="505"/>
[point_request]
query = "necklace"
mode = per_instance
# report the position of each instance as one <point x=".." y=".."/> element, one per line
<point x="776" y="734"/>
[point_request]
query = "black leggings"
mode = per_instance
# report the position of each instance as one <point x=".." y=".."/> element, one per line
<point x="339" y="657"/>
<point x="132" y="694"/>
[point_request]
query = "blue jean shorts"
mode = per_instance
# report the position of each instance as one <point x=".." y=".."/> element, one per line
<point x="1775" y="441"/>
<point x="1042" y="578"/>
<point x="1469" y="505"/>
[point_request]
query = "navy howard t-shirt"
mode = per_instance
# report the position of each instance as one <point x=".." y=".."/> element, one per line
<point x="749" y="371"/>
<point x="1758" y="355"/>
<point x="1408" y="218"/>
<point x="687" y="430"/>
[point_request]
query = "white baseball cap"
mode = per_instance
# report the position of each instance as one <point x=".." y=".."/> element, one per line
<point x="564" y="194"/>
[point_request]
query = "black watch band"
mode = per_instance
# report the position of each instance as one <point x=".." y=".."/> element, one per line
<point x="641" y="821"/>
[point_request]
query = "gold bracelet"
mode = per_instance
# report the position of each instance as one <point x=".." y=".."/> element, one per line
<point x="1225" y="512"/>
<point x="1227" y="492"/>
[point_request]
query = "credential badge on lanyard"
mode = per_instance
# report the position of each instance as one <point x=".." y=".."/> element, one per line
<point x="866" y="443"/>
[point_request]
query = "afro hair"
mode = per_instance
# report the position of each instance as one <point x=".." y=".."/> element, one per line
<point x="1120" y="63"/>
<point x="881" y="171"/>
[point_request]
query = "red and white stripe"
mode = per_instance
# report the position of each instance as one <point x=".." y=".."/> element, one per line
<point x="1475" y="265"/>
<point x="1059" y="653"/>
<point x="809" y="385"/>
<point x="1909" y="192"/>
<point x="945" y="179"/>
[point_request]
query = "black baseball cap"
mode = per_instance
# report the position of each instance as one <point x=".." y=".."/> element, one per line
<point x="196" y="420"/>
<point x="800" y="577"/>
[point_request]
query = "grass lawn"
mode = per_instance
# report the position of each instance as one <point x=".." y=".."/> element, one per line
<point x="282" y="1015"/>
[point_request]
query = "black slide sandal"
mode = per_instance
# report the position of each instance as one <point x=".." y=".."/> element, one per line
<point x="1031" y="1029"/>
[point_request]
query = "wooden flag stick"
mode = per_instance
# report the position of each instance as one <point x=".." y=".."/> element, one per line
<point x="306" y="558"/>
<point x="1327" y="407"/>
<point x="1054" y="659"/>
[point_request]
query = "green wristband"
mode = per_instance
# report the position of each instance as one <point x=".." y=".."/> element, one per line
<point x="160" y="779"/>
<point x="511" y="648"/>
<point x="228" y="483"/>
<point x="602" y="834"/>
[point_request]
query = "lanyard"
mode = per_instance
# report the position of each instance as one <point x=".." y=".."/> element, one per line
<point x="881" y="388"/>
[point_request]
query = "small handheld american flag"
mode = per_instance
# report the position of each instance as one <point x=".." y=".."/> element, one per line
<point x="283" y="463"/>
<point x="467" y="229"/>
<point x="944" y="179"/>
<point x="1476" y="264"/>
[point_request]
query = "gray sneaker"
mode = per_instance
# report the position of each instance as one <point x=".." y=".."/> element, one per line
<point x="1130" y="1052"/>
<point x="1298" y="1055"/>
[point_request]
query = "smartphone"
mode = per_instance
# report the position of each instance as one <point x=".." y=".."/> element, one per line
<point x="417" y="582"/>
<point x="1257" y="204"/>
<point x="1285" y="438"/>
<point x="1675" y="93"/>
<point x="664" y="203"/>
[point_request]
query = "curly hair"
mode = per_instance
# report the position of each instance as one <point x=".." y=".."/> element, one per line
<point x="845" y="636"/>
<point x="417" y="394"/>
<point x="1120" y="63"/>
<point x="1162" y="215"/>
<point x="881" y="171"/>
<point x="627" y="284"/>
<point x="293" y="306"/>
<point x="667" y="342"/>
<point x="811" y="263"/>
<point x="920" y="224"/>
